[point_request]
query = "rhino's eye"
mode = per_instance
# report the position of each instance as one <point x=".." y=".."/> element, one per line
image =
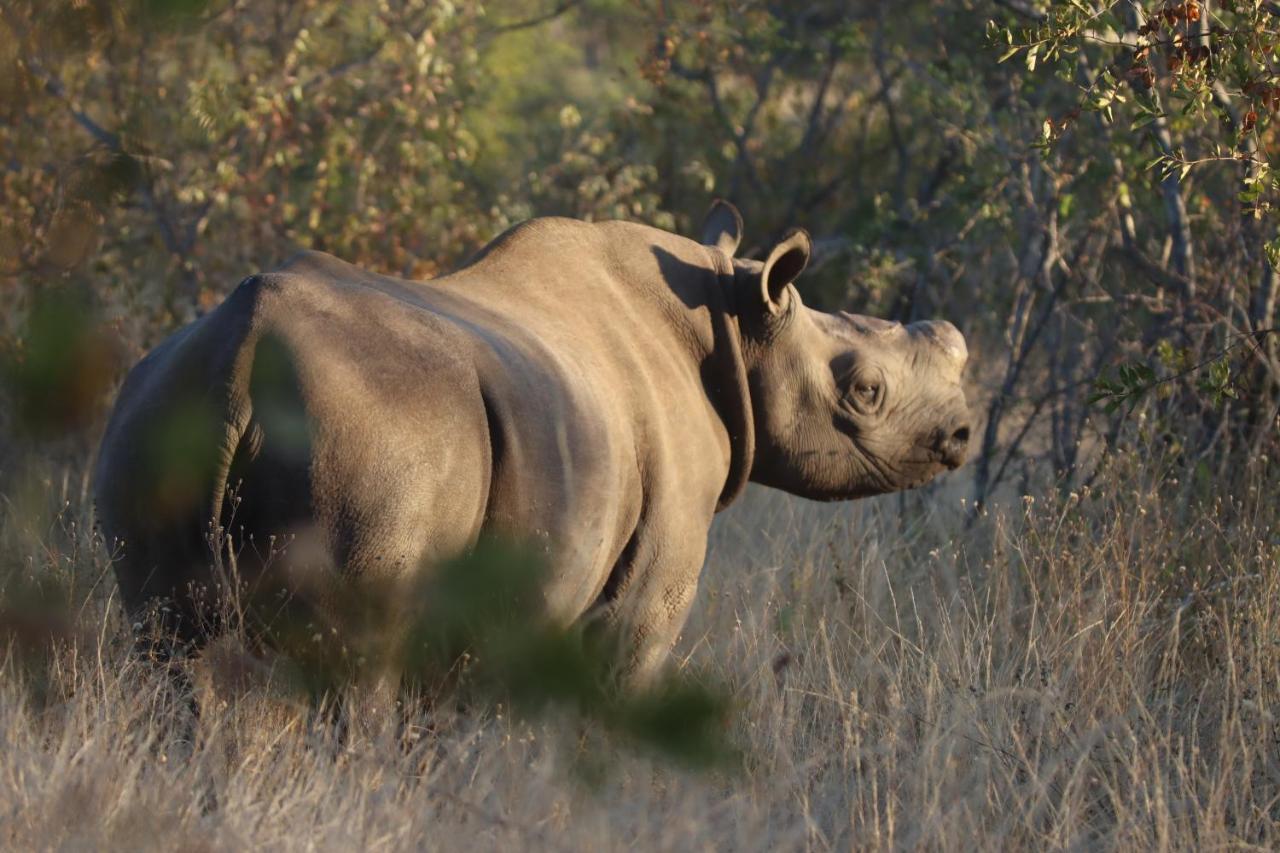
<point x="866" y="395"/>
<point x="867" y="392"/>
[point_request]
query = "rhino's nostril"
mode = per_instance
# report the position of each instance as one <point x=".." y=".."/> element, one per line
<point x="953" y="448"/>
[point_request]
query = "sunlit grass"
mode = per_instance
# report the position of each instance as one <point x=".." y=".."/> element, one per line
<point x="1092" y="669"/>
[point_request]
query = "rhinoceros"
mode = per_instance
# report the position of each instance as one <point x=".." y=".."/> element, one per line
<point x="601" y="389"/>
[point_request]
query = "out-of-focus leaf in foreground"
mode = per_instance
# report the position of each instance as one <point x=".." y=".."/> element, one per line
<point x="476" y="626"/>
<point x="57" y="369"/>
<point x="488" y="607"/>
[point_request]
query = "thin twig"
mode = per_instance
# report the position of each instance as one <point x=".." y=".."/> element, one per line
<point x="536" y="20"/>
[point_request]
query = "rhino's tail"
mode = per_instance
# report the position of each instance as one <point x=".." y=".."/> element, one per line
<point x="160" y="480"/>
<point x="265" y="484"/>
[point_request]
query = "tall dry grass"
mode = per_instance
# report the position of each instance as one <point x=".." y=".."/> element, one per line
<point x="1087" y="670"/>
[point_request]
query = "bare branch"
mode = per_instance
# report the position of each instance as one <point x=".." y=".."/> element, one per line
<point x="744" y="163"/>
<point x="895" y="132"/>
<point x="1175" y="205"/>
<point x="537" y="20"/>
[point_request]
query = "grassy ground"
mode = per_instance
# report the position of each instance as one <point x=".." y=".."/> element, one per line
<point x="1096" y="669"/>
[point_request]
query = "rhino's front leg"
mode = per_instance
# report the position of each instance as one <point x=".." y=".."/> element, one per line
<point x="653" y="603"/>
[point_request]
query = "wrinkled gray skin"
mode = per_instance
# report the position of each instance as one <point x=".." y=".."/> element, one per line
<point x="600" y="389"/>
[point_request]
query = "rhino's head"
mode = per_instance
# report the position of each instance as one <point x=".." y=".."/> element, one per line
<point x="844" y="406"/>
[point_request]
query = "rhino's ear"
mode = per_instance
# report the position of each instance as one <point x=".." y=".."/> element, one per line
<point x="722" y="227"/>
<point x="785" y="263"/>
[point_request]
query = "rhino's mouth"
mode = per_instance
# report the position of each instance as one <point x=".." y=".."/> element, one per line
<point x="859" y="472"/>
<point x="912" y="471"/>
<point x="876" y="477"/>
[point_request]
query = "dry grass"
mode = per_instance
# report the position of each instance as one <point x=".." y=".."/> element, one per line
<point x="1088" y="671"/>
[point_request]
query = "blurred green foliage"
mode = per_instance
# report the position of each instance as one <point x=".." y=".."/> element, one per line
<point x="473" y="627"/>
<point x="60" y="367"/>
<point x="485" y="608"/>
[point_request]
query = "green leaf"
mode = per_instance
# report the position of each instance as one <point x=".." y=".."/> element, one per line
<point x="1009" y="54"/>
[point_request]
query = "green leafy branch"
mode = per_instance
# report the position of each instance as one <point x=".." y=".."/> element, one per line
<point x="1213" y="63"/>
<point x="1128" y="383"/>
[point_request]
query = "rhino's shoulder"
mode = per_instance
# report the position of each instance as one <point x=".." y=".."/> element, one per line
<point x="550" y="243"/>
<point x="538" y="239"/>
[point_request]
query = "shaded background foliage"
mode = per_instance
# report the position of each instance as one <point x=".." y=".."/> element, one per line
<point x="157" y="151"/>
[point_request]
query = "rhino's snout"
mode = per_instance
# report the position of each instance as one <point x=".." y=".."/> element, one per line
<point x="952" y="445"/>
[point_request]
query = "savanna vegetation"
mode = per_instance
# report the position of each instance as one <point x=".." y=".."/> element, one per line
<point x="1072" y="642"/>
